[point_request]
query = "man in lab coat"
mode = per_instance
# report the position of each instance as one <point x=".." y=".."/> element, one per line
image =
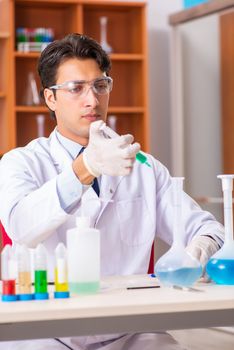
<point x="45" y="184"/>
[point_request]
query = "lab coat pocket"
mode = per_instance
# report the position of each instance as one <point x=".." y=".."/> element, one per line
<point x="135" y="224"/>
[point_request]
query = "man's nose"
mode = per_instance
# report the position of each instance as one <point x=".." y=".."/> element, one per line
<point x="90" y="97"/>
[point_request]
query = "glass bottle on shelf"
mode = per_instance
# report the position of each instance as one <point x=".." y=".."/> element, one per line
<point x="112" y="121"/>
<point x="32" y="95"/>
<point x="103" y="35"/>
<point x="40" y="119"/>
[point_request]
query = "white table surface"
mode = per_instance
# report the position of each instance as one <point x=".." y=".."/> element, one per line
<point x="116" y="309"/>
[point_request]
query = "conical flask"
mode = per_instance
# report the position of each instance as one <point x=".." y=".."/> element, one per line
<point x="220" y="267"/>
<point x="177" y="267"/>
<point x="103" y="35"/>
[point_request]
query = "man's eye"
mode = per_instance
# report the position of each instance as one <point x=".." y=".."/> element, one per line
<point x="101" y="85"/>
<point x="76" y="89"/>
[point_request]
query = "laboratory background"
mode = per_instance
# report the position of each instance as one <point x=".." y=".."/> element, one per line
<point x="174" y="89"/>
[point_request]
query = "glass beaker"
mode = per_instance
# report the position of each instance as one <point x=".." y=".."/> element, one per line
<point x="220" y="267"/>
<point x="177" y="267"/>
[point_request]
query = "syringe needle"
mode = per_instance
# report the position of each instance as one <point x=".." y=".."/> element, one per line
<point x="112" y="134"/>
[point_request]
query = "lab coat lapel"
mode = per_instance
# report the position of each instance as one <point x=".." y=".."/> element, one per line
<point x="109" y="185"/>
<point x="61" y="158"/>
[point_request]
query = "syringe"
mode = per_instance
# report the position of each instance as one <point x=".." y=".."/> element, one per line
<point x="112" y="134"/>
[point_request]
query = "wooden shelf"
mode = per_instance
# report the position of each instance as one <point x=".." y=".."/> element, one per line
<point x="32" y="109"/>
<point x="128" y="110"/>
<point x="43" y="109"/>
<point x="126" y="35"/>
<point x="113" y="56"/>
<point x="126" y="57"/>
<point x="4" y="35"/>
<point x="27" y="54"/>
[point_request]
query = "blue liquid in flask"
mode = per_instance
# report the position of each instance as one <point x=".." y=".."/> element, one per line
<point x="220" y="267"/>
<point x="185" y="276"/>
<point x="221" y="271"/>
<point x="177" y="267"/>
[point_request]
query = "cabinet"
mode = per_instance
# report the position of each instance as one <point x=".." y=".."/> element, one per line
<point x="126" y="33"/>
<point x="6" y="103"/>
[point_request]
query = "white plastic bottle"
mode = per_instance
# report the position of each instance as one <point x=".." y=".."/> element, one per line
<point x="83" y="253"/>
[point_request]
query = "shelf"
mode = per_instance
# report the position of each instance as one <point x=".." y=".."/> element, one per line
<point x="4" y="35"/>
<point x="129" y="110"/>
<point x="126" y="57"/>
<point x="113" y="56"/>
<point x="42" y="109"/>
<point x="27" y="54"/>
<point x="32" y="109"/>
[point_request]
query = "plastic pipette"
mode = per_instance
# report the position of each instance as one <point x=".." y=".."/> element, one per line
<point x="112" y="134"/>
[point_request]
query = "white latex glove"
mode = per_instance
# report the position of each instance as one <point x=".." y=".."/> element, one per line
<point x="202" y="248"/>
<point x="113" y="157"/>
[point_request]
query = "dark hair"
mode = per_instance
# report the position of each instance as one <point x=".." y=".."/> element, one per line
<point x="71" y="46"/>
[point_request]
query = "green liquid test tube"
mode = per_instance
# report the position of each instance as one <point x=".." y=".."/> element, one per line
<point x="40" y="273"/>
<point x="40" y="281"/>
<point x="112" y="134"/>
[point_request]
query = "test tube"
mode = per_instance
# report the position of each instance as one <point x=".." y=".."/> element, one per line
<point x="24" y="274"/>
<point x="41" y="273"/>
<point x="112" y="134"/>
<point x="9" y="273"/>
<point x="61" y="280"/>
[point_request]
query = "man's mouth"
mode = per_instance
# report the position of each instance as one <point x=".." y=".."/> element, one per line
<point x="91" y="117"/>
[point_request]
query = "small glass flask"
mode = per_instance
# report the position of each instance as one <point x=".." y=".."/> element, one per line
<point x="103" y="35"/>
<point x="177" y="267"/>
<point x="220" y="267"/>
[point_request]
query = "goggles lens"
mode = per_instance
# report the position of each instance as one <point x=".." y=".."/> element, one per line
<point x="100" y="86"/>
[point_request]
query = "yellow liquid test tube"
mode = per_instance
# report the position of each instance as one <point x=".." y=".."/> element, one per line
<point x="61" y="280"/>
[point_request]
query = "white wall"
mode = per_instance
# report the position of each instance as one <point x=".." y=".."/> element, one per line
<point x="159" y="76"/>
<point x="201" y="108"/>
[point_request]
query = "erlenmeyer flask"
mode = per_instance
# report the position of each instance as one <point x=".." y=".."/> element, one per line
<point x="103" y="34"/>
<point x="220" y="267"/>
<point x="177" y="267"/>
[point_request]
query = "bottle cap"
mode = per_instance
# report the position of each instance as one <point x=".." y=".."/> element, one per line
<point x="83" y="221"/>
<point x="9" y="297"/>
<point x="61" y="295"/>
<point x="24" y="297"/>
<point x="41" y="296"/>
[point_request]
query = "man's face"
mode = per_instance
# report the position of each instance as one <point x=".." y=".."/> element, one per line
<point x="75" y="113"/>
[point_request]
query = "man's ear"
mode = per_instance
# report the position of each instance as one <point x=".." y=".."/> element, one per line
<point x="50" y="99"/>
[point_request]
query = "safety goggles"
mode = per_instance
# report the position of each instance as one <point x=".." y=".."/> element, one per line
<point x="100" y="86"/>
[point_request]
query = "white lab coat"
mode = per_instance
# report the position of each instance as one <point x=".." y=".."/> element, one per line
<point x="130" y="212"/>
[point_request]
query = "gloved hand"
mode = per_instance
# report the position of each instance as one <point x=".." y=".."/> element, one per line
<point x="113" y="157"/>
<point x="202" y="248"/>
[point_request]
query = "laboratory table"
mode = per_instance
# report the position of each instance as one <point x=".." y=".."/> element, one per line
<point x="118" y="309"/>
